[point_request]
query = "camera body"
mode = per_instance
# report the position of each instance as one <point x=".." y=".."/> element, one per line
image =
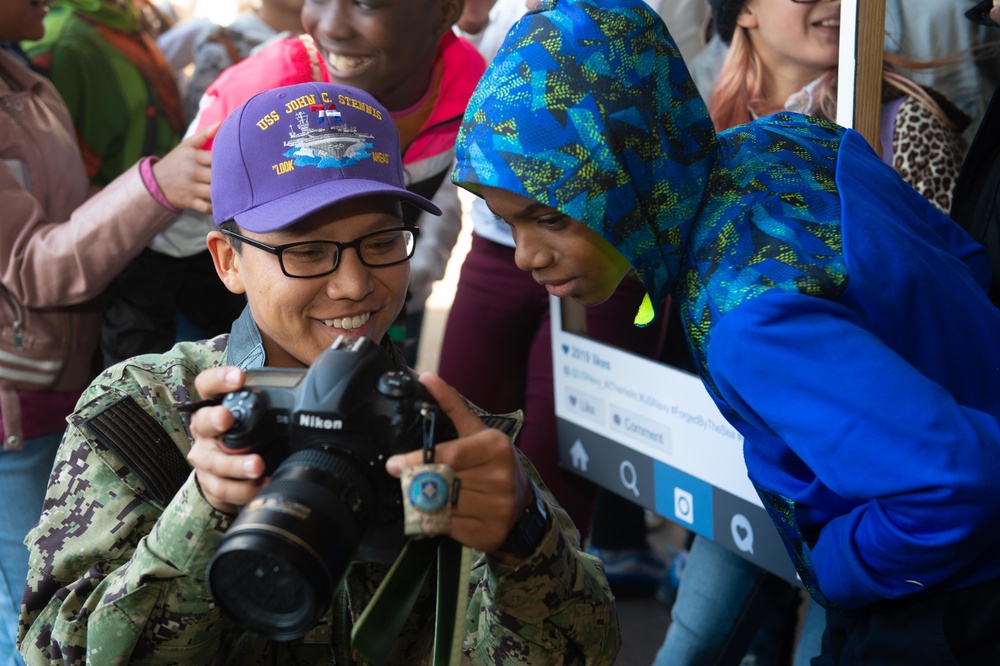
<point x="325" y="433"/>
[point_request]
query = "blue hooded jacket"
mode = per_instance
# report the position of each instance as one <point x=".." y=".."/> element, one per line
<point x="839" y="320"/>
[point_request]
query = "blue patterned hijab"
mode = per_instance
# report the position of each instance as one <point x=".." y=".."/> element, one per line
<point x="589" y="108"/>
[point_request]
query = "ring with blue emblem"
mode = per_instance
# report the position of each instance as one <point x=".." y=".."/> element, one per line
<point x="429" y="498"/>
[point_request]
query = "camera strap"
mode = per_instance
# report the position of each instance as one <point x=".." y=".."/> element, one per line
<point x="454" y="567"/>
<point x="376" y="630"/>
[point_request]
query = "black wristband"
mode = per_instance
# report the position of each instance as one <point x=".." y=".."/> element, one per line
<point x="527" y="533"/>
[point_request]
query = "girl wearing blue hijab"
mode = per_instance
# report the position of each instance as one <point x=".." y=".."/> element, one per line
<point x="839" y="321"/>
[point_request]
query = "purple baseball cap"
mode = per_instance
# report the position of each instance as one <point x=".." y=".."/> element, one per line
<point x="288" y="152"/>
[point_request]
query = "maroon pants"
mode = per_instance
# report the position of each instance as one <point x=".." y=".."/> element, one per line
<point x="497" y="351"/>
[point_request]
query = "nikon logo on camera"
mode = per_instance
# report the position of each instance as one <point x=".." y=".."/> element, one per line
<point x="320" y="422"/>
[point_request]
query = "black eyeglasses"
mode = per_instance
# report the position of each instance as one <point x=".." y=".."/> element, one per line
<point x="310" y="259"/>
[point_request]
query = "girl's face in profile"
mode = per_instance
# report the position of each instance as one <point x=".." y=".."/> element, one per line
<point x="563" y="254"/>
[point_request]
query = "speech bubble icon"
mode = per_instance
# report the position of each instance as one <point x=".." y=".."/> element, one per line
<point x="742" y="533"/>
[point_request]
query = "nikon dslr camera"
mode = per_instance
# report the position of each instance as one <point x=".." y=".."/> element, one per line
<point x="325" y="433"/>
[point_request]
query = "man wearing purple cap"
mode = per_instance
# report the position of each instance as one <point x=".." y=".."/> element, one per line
<point x="306" y="187"/>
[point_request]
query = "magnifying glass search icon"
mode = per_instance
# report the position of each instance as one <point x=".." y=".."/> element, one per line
<point x="629" y="477"/>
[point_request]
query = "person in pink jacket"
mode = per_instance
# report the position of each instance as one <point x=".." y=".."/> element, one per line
<point x="58" y="251"/>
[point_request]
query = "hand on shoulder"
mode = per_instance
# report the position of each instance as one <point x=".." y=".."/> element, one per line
<point x="185" y="173"/>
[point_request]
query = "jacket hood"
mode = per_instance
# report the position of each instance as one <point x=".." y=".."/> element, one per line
<point x="589" y="108"/>
<point x="122" y="16"/>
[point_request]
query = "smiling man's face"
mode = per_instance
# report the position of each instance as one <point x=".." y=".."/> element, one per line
<point x="300" y="317"/>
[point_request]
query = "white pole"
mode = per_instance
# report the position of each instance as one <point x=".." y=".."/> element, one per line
<point x="848" y="62"/>
<point x="859" y="96"/>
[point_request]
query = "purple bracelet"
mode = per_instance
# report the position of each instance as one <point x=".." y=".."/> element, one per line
<point x="149" y="180"/>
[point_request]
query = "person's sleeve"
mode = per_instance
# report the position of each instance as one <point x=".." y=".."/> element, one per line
<point x="919" y="468"/>
<point x="927" y="153"/>
<point x="554" y="608"/>
<point x="975" y="257"/>
<point x="56" y="263"/>
<point x="112" y="579"/>
<point x="438" y="235"/>
<point x="878" y="186"/>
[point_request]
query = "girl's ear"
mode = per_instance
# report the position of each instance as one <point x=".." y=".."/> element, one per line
<point x="747" y="18"/>
<point x="226" y="260"/>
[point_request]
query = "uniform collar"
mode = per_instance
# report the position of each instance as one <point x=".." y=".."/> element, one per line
<point x="246" y="347"/>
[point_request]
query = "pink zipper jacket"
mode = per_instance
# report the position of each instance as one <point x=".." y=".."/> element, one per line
<point x="58" y="250"/>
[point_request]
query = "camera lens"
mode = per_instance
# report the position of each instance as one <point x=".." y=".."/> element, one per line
<point x="272" y="595"/>
<point x="278" y="565"/>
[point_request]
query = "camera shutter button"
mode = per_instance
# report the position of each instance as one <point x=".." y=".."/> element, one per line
<point x="397" y="385"/>
<point x="243" y="408"/>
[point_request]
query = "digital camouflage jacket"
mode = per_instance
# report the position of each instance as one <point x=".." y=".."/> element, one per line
<point x="118" y="561"/>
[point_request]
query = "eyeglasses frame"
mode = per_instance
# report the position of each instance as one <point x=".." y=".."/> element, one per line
<point x="276" y="250"/>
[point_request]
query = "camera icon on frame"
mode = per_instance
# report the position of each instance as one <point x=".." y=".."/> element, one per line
<point x="683" y="505"/>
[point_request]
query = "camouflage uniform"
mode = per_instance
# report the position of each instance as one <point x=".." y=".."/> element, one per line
<point x="118" y="565"/>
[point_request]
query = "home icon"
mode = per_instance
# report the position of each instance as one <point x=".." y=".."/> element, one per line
<point x="579" y="456"/>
